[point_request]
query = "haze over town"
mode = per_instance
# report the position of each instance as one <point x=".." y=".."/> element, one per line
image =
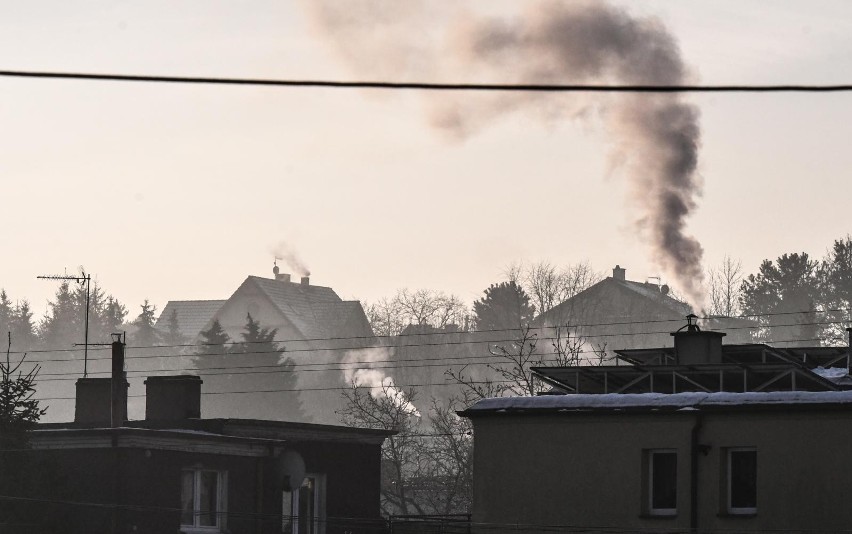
<point x="169" y="191"/>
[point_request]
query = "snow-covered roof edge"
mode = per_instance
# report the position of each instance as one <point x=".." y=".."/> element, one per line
<point x="669" y="401"/>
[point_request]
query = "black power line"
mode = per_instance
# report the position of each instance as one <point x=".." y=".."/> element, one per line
<point x="430" y="86"/>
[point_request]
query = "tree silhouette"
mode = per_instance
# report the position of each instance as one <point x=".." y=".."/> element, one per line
<point x="146" y="335"/>
<point x="212" y="341"/>
<point x="173" y="335"/>
<point x="254" y="364"/>
<point x="784" y="296"/>
<point x="504" y="306"/>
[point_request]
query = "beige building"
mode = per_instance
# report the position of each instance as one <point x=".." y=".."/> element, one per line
<point x="710" y="438"/>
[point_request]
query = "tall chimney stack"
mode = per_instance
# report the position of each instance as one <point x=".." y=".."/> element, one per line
<point x="618" y="273"/>
<point x="118" y="385"/>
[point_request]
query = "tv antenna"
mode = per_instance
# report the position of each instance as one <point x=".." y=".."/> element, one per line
<point x="82" y="278"/>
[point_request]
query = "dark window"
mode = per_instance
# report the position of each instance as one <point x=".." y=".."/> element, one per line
<point x="742" y="480"/>
<point x="663" y="482"/>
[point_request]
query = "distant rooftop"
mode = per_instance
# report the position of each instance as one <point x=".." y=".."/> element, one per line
<point x="192" y="315"/>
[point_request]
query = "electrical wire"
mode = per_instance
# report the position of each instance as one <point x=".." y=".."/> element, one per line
<point x="430" y="86"/>
<point x="462" y="342"/>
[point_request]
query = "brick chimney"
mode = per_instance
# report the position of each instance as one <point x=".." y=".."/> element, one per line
<point x="103" y="401"/>
<point x="172" y="398"/>
<point x="619" y="274"/>
<point x="94" y="401"/>
<point x="281" y="277"/>
<point x="306" y="280"/>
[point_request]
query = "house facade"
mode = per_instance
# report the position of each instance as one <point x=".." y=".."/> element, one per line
<point x="698" y="437"/>
<point x="174" y="472"/>
<point x="315" y="327"/>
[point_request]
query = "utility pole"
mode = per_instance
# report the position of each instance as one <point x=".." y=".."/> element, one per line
<point x="83" y="278"/>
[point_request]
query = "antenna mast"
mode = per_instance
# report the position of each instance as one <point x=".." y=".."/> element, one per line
<point x="82" y="278"/>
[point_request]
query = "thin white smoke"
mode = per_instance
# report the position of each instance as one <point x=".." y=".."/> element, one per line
<point x="656" y="136"/>
<point x="358" y="371"/>
<point x="285" y="252"/>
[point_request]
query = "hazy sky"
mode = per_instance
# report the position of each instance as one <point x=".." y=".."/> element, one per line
<point x="179" y="192"/>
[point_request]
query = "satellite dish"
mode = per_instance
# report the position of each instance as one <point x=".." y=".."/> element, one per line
<point x="290" y="470"/>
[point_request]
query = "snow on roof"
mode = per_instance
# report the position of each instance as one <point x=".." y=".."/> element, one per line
<point x="831" y="372"/>
<point x="670" y="401"/>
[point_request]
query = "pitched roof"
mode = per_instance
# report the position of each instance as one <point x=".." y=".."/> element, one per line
<point x="192" y="315"/>
<point x="655" y="301"/>
<point x="655" y="293"/>
<point x="316" y="311"/>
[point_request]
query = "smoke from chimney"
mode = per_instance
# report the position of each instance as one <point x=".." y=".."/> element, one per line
<point x="656" y="136"/>
<point x="358" y="371"/>
<point x="285" y="252"/>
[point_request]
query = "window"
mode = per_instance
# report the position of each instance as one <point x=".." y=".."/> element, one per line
<point x="662" y="482"/>
<point x="202" y="496"/>
<point x="306" y="507"/>
<point x="741" y="480"/>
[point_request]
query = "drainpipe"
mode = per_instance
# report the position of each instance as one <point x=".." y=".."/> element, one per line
<point x="695" y="448"/>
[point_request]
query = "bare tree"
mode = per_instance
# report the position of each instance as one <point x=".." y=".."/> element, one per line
<point x="725" y="283"/>
<point x="549" y="285"/>
<point x="448" y="448"/>
<point x="390" y="409"/>
<point x="385" y="317"/>
<point x="423" y="308"/>
<point x="571" y="349"/>
<point x="424" y="471"/>
<point x="511" y="374"/>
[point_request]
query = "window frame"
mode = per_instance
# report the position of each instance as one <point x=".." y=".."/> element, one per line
<point x="649" y="476"/>
<point x="729" y="508"/>
<point x="221" y="501"/>
<point x="318" y="519"/>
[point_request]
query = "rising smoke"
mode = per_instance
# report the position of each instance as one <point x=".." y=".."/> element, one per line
<point x="359" y="371"/>
<point x="285" y="252"/>
<point x="656" y="136"/>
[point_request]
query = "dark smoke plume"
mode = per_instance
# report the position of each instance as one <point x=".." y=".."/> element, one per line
<point x="656" y="136"/>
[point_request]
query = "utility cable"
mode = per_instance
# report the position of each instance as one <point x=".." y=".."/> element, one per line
<point x="431" y="86"/>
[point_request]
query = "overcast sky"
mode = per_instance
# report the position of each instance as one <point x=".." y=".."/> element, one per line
<point x="179" y="192"/>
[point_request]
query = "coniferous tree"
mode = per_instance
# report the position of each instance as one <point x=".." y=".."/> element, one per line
<point x="62" y="324"/>
<point x="259" y="349"/>
<point x="783" y="297"/>
<point x="212" y="341"/>
<point x="504" y="306"/>
<point x="22" y="327"/>
<point x="112" y="316"/>
<point x="6" y="312"/>
<point x="173" y="335"/>
<point x="146" y="335"/>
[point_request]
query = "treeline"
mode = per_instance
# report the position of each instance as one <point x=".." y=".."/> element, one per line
<point x="63" y="325"/>
<point x="794" y="299"/>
